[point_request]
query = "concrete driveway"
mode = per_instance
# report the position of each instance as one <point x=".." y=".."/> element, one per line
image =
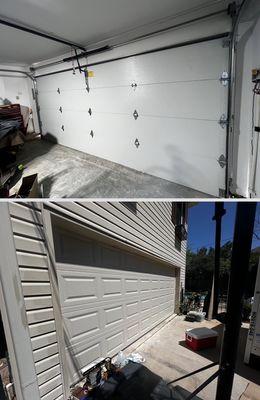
<point x="167" y="356"/>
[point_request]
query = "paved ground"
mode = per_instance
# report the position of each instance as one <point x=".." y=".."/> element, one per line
<point x="167" y="355"/>
<point x="64" y="172"/>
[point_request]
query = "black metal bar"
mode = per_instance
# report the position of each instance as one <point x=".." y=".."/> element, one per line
<point x="84" y="54"/>
<point x="156" y="50"/>
<point x="203" y="385"/>
<point x="194" y="372"/>
<point x="41" y="34"/>
<point x="242" y="242"/>
<point x="219" y="213"/>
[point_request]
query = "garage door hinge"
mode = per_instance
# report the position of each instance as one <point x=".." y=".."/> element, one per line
<point x="134" y="85"/>
<point x="90" y="111"/>
<point x="137" y="143"/>
<point x="58" y="90"/>
<point x="224" y="79"/>
<point x="135" y="114"/>
<point x="60" y="109"/>
<point x="62" y="127"/>
<point x="222" y="161"/>
<point x="223" y="122"/>
<point x="91" y="133"/>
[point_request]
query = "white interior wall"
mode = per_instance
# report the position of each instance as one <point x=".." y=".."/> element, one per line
<point x="248" y="53"/>
<point x="14" y="86"/>
<point x="17" y="88"/>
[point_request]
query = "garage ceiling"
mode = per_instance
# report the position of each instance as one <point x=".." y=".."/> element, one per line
<point x="84" y="21"/>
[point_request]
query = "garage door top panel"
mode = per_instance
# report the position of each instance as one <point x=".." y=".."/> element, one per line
<point x="71" y="250"/>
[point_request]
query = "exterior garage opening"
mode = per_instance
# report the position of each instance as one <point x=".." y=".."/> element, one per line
<point x="119" y="296"/>
<point x="134" y="106"/>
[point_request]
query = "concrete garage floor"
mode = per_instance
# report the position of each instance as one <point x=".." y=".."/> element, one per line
<point x="167" y="355"/>
<point x="64" y="172"/>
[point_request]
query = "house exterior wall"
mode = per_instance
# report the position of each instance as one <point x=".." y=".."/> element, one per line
<point x="149" y="231"/>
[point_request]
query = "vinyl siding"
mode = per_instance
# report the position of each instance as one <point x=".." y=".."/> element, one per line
<point x="31" y="253"/>
<point x="150" y="229"/>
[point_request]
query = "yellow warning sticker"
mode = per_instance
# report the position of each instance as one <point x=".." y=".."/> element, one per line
<point x="90" y="74"/>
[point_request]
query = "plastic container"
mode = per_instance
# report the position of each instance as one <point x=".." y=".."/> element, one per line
<point x="201" y="338"/>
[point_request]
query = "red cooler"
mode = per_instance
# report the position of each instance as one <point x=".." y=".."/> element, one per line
<point x="201" y="338"/>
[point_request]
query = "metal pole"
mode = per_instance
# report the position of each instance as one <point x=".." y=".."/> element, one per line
<point x="242" y="242"/>
<point x="203" y="385"/>
<point x="39" y="33"/>
<point x="219" y="213"/>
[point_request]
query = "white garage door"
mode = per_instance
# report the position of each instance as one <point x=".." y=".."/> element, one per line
<point x="158" y="113"/>
<point x="109" y="298"/>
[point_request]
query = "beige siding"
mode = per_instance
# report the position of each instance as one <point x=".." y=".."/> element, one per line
<point x="150" y="230"/>
<point x="32" y="259"/>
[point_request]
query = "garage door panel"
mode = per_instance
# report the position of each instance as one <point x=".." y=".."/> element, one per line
<point x="192" y="100"/>
<point x="52" y="122"/>
<point x="179" y="99"/>
<point x="83" y="324"/>
<point x="184" y="64"/>
<point x="49" y="100"/>
<point x="77" y="100"/>
<point x="110" y="303"/>
<point x="189" y="148"/>
<point x="113" y="100"/>
<point x="116" y="74"/>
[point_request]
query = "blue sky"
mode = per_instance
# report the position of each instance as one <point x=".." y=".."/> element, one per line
<point x="201" y="230"/>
